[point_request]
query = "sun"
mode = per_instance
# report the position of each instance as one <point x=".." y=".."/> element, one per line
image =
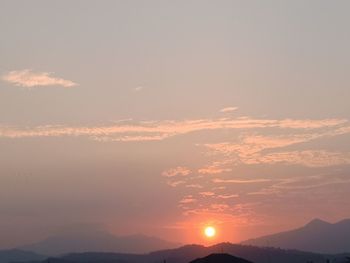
<point x="209" y="231"/>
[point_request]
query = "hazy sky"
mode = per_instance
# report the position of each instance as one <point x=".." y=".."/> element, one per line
<point x="160" y="117"/>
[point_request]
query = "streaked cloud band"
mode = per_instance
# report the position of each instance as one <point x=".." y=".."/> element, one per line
<point x="160" y="130"/>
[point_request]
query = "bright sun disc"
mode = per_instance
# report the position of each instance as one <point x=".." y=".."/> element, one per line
<point x="209" y="231"/>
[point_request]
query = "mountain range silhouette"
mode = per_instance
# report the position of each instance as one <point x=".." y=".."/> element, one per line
<point x="189" y="253"/>
<point x="317" y="236"/>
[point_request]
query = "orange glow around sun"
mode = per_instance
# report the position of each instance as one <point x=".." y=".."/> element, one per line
<point x="209" y="231"/>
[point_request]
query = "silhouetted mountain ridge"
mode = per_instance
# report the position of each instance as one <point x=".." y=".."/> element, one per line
<point x="316" y="236"/>
<point x="189" y="253"/>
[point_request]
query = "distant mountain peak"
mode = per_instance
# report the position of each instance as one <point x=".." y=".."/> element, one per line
<point x="317" y="222"/>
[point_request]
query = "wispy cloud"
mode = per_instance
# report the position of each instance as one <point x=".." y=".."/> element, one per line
<point x="217" y="167"/>
<point x="208" y="193"/>
<point x="198" y="186"/>
<point x="29" y="79"/>
<point x="187" y="199"/>
<point x="228" y="109"/>
<point x="240" y="214"/>
<point x="240" y="181"/>
<point x="161" y="130"/>
<point x="228" y="196"/>
<point x="138" y="88"/>
<point x="258" y="141"/>
<point x="285" y="185"/>
<point x="183" y="171"/>
<point x="219" y="207"/>
<point x="228" y="192"/>
<point x="175" y="183"/>
<point x="249" y="145"/>
<point x="310" y="158"/>
<point x="257" y="149"/>
<point x="309" y="182"/>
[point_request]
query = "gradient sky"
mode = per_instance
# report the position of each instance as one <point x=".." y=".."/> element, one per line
<point x="160" y="117"/>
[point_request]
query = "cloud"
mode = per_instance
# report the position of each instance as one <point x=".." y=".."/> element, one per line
<point x="240" y="181"/>
<point x="138" y="88"/>
<point x="198" y="186"/>
<point x="309" y="158"/>
<point x="176" y="183"/>
<point x="265" y="191"/>
<point x="309" y="182"/>
<point x="301" y="183"/>
<point x="252" y="144"/>
<point x="187" y="200"/>
<point x="215" y="168"/>
<point x="28" y="79"/>
<point x="219" y="207"/>
<point x="255" y="141"/>
<point x="227" y="196"/>
<point x="182" y="171"/>
<point x="258" y="149"/>
<point x="240" y="214"/>
<point x="161" y="130"/>
<point x="228" y="109"/>
<point x="207" y="193"/>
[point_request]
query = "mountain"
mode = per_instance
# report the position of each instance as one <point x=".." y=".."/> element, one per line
<point x="220" y="258"/>
<point x="189" y="253"/>
<point x="317" y="236"/>
<point x="13" y="255"/>
<point x="98" y="241"/>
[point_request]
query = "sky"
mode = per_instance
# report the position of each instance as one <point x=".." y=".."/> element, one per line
<point x="162" y="117"/>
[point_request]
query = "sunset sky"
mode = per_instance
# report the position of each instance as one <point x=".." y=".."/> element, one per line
<point x="163" y="117"/>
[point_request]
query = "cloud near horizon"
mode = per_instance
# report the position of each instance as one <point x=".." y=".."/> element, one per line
<point x="215" y="187"/>
<point x="220" y="184"/>
<point x="28" y="79"/>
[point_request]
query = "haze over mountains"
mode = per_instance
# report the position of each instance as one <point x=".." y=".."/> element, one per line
<point x="317" y="236"/>
<point x="189" y="253"/>
<point x="329" y="240"/>
<point x="99" y="241"/>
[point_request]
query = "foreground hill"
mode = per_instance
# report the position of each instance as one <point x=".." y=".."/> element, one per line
<point x="13" y="255"/>
<point x="101" y="241"/>
<point x="220" y="258"/>
<point x="189" y="253"/>
<point x="317" y="236"/>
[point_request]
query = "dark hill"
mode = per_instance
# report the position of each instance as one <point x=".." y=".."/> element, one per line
<point x="12" y="255"/>
<point x="220" y="258"/>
